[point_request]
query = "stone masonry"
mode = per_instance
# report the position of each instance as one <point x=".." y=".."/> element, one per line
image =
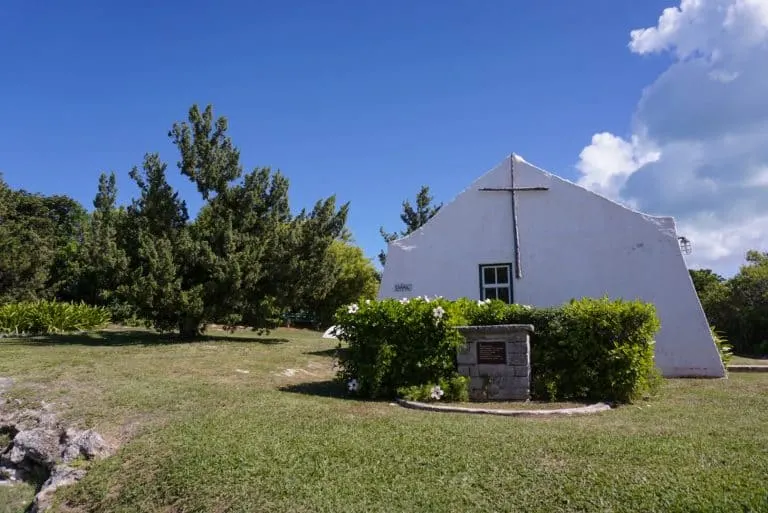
<point x="497" y="361"/>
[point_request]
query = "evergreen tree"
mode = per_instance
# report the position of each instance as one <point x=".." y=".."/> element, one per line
<point x="159" y="283"/>
<point x="99" y="265"/>
<point x="412" y="218"/>
<point x="245" y="259"/>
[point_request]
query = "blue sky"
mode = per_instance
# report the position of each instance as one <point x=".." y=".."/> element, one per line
<point x="367" y="100"/>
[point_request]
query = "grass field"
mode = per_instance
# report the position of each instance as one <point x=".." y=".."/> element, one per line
<point x="743" y="360"/>
<point x="243" y="423"/>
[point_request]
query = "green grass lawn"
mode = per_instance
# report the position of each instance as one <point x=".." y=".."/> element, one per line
<point x="14" y="499"/>
<point x="201" y="435"/>
<point x="743" y="360"/>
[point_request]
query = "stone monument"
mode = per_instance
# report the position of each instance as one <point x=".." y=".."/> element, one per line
<point x="497" y="361"/>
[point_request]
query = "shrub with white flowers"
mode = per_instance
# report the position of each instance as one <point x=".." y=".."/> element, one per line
<point x="594" y="349"/>
<point x="393" y="343"/>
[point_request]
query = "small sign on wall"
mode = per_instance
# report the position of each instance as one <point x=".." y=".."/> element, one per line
<point x="492" y="352"/>
<point x="403" y="287"/>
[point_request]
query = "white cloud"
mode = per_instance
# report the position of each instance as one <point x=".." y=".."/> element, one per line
<point x="606" y="164"/>
<point x="699" y="147"/>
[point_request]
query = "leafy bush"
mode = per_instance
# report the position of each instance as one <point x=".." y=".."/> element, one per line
<point x="723" y="347"/>
<point x="394" y="344"/>
<point x="593" y="349"/>
<point x="43" y="317"/>
<point x="455" y="389"/>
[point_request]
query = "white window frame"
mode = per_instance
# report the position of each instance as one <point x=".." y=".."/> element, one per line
<point x="505" y="285"/>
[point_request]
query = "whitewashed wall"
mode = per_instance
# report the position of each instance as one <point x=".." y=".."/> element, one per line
<point x="573" y="243"/>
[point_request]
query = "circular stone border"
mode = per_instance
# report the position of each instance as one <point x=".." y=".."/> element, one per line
<point x="747" y="368"/>
<point x="581" y="410"/>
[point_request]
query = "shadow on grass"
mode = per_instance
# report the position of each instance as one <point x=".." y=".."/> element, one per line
<point x="132" y="337"/>
<point x="320" y="389"/>
<point x="329" y="353"/>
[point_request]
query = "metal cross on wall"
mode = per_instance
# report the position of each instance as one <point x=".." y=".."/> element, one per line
<point x="512" y="189"/>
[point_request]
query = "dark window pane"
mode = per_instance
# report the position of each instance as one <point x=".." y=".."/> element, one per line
<point x="490" y="293"/>
<point x="489" y="276"/>
<point x="503" y="293"/>
<point x="502" y="275"/>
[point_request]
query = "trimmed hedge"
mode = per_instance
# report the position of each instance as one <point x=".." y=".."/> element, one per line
<point x="397" y="344"/>
<point x="587" y="349"/>
<point x="44" y="317"/>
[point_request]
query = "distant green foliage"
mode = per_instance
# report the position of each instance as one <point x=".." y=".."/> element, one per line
<point x="589" y="349"/>
<point x="37" y="235"/>
<point x="355" y="280"/>
<point x="738" y="307"/>
<point x="44" y="317"/>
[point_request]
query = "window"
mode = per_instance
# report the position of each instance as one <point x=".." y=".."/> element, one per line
<point x="495" y="282"/>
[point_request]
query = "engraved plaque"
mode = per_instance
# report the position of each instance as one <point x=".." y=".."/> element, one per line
<point x="492" y="352"/>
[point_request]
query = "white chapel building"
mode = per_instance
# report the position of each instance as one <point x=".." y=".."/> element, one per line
<point x="526" y="236"/>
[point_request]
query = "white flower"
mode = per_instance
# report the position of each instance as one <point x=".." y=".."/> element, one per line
<point x="483" y="303"/>
<point x="353" y="308"/>
<point x="426" y="299"/>
<point x="404" y="301"/>
<point x="488" y="301"/>
<point x="437" y="392"/>
<point x="438" y="312"/>
<point x="367" y="301"/>
<point x="352" y="386"/>
<point x="527" y="307"/>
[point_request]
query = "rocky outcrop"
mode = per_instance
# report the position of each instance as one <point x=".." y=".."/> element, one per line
<point x="62" y="475"/>
<point x="42" y="451"/>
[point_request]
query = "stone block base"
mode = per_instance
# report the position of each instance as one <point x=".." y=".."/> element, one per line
<point x="497" y="361"/>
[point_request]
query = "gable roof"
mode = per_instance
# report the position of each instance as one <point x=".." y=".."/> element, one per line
<point x="662" y="222"/>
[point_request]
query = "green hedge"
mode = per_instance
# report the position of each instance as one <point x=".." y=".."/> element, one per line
<point x="397" y="344"/>
<point x="44" y="317"/>
<point x="588" y="349"/>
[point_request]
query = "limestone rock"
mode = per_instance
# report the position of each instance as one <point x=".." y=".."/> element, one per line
<point x="8" y="475"/>
<point x="62" y="475"/>
<point x="38" y="445"/>
<point x="22" y="420"/>
<point x="88" y="444"/>
<point x="47" y="420"/>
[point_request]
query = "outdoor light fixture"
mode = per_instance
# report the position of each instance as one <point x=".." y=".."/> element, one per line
<point x="685" y="245"/>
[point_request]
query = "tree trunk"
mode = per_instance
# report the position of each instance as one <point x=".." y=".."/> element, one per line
<point x="189" y="328"/>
